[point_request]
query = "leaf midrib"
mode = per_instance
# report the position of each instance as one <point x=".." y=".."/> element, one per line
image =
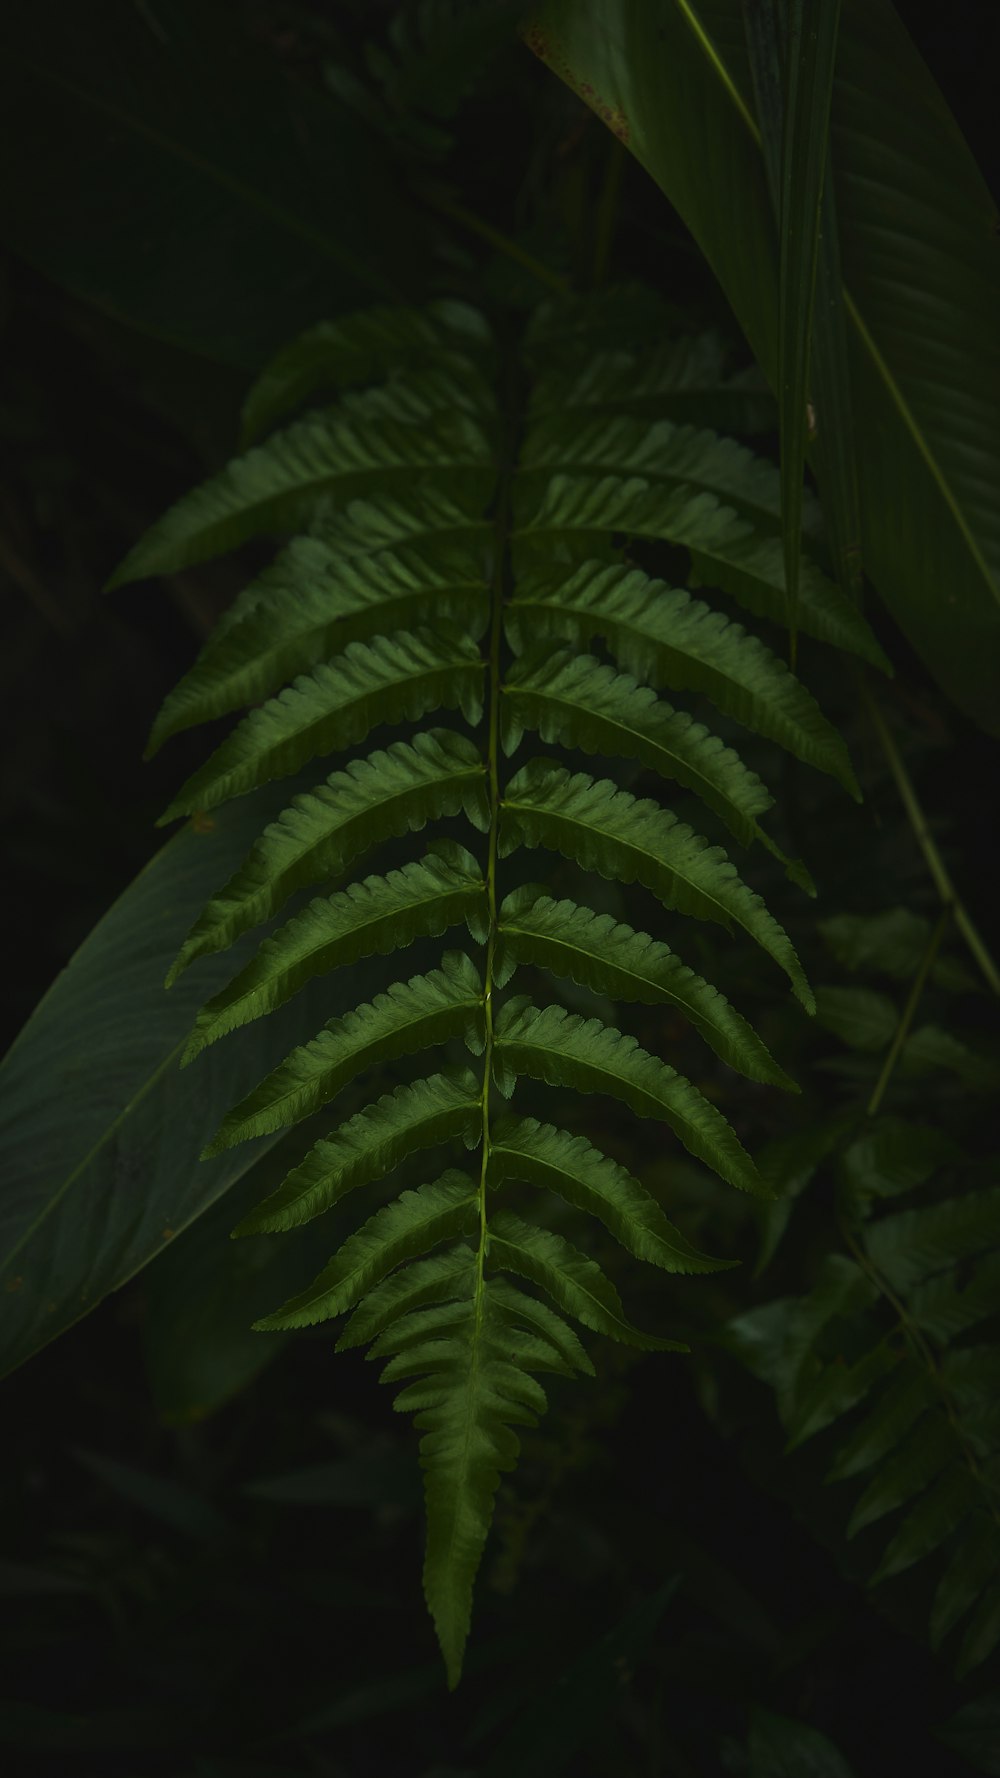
<point x="895" y="393"/>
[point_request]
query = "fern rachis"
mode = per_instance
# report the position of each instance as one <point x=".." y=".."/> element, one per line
<point x="432" y="580"/>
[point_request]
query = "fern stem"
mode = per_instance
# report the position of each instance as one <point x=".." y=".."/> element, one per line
<point x="492" y="845"/>
<point x="928" y="846"/>
<point x="913" y="1000"/>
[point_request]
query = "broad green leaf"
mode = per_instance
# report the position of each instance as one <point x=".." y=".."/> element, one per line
<point x="630" y="840"/>
<point x="810" y="53"/>
<point x="604" y="954"/>
<point x="389" y="680"/>
<point x="573" y="1281"/>
<point x="371" y="917"/>
<point x="324" y="830"/>
<point x="204" y="1293"/>
<point x="663" y="636"/>
<point x="592" y="1182"/>
<point x="924" y="353"/>
<point x="408" y="1018"/>
<point x="830" y="371"/>
<point x="566" y="1050"/>
<point x="369" y="1145"/>
<point x="96" y="1192"/>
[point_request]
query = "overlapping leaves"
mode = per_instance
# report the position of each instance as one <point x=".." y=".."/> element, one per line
<point x="375" y="617"/>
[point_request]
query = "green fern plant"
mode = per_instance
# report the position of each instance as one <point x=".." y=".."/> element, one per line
<point x="890" y="1354"/>
<point x="461" y="520"/>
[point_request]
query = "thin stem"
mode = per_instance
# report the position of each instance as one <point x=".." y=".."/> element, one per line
<point x="503" y="243"/>
<point x="607" y="209"/>
<point x="925" y="840"/>
<point x="493" y="781"/>
<point x="909" y="1010"/>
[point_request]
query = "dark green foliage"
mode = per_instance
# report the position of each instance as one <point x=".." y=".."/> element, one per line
<point x="889" y="1357"/>
<point x="428" y="505"/>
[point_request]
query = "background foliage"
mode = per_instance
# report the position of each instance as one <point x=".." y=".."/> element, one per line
<point x="211" y="1537"/>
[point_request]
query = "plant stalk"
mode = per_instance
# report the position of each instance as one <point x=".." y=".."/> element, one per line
<point x="935" y="863"/>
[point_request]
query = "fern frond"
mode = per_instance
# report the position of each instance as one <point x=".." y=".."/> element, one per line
<point x="396" y="678"/>
<point x="631" y="840"/>
<point x="909" y="1245"/>
<point x="388" y="520"/>
<point x="575" y="1282"/>
<point x="590" y="1181"/>
<point x="358" y="349"/>
<point x="566" y="1050"/>
<point x="663" y="636"/>
<point x="369" y="1145"/>
<point x="576" y="701"/>
<point x="678" y="456"/>
<point x="473" y="1366"/>
<point x="410" y="1225"/>
<point x="401" y="599"/>
<point x="373" y="917"/>
<point x="680" y="378"/>
<point x="324" y="830"/>
<point x="409" y="1017"/>
<point x="310" y="605"/>
<point x="927" y="1433"/>
<point x="579" y="511"/>
<point x="609" y="957"/>
<point x="277" y="484"/>
<point x="443" y="1277"/>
